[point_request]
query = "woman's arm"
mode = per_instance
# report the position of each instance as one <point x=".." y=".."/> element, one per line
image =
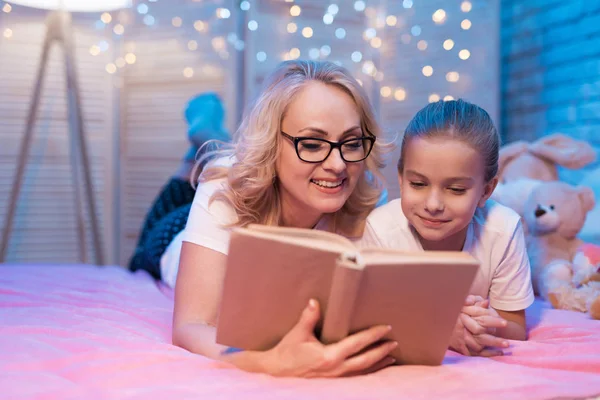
<point x="197" y="295"/>
<point x="299" y="353"/>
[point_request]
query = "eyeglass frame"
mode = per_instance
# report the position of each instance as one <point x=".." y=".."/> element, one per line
<point x="332" y="145"/>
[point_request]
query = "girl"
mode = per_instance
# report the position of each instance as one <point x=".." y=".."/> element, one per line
<point x="305" y="156"/>
<point x="447" y="172"/>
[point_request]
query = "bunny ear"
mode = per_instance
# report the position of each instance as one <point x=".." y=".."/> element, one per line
<point x="564" y="151"/>
<point x="509" y="152"/>
<point x="586" y="195"/>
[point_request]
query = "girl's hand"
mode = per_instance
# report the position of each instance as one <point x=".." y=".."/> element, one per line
<point x="301" y="354"/>
<point x="481" y="321"/>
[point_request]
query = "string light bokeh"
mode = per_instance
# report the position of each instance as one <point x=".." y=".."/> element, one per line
<point x="382" y="24"/>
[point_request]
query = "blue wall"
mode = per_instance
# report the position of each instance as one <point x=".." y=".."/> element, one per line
<point x="550" y="69"/>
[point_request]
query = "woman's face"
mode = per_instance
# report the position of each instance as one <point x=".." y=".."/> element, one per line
<point x="309" y="190"/>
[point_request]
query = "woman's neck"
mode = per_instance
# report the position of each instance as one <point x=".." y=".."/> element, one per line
<point x="295" y="221"/>
<point x="294" y="217"/>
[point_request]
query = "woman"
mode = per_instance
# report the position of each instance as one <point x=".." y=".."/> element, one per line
<point x="304" y="156"/>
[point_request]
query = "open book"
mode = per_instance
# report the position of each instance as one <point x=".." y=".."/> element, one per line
<point x="272" y="272"/>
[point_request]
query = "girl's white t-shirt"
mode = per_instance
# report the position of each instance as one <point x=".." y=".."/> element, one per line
<point x="494" y="237"/>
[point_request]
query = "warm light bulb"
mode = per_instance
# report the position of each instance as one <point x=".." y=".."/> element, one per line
<point x="307" y="32"/>
<point x="218" y="43"/>
<point x="448" y="44"/>
<point x="400" y="94"/>
<point x="106" y="18"/>
<point x="427" y="70"/>
<point x="452" y="76"/>
<point x="292" y="27"/>
<point x="188" y="72"/>
<point x="119" y="29"/>
<point x="433" y="97"/>
<point x="464" y="54"/>
<point x="385" y="91"/>
<point x="465" y="24"/>
<point x="295" y="10"/>
<point x="130" y="58"/>
<point x="200" y="26"/>
<point x="439" y="16"/>
<point x="176" y="21"/>
<point x="111" y="68"/>
<point x="94" y="50"/>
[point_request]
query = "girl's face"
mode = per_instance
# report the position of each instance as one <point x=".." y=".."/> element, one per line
<point x="442" y="184"/>
<point x="310" y="190"/>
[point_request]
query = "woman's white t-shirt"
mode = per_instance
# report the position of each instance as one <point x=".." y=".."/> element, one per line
<point x="207" y="225"/>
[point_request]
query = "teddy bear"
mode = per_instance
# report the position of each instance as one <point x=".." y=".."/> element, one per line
<point x="564" y="269"/>
<point x="539" y="160"/>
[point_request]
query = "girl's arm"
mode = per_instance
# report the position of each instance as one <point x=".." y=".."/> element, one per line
<point x="511" y="287"/>
<point x="515" y="329"/>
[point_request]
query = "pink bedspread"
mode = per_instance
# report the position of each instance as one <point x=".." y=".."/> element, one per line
<point x="82" y="332"/>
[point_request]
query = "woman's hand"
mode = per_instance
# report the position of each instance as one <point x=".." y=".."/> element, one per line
<point x="301" y="354"/>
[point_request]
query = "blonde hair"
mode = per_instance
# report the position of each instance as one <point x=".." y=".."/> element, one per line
<point x="252" y="188"/>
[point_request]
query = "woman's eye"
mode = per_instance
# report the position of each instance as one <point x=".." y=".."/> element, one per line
<point x="353" y="145"/>
<point x="311" y="146"/>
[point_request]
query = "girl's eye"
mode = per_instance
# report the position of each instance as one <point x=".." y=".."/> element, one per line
<point x="458" y="190"/>
<point x="417" y="184"/>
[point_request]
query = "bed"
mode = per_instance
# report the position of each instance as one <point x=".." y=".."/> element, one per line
<point x="86" y="332"/>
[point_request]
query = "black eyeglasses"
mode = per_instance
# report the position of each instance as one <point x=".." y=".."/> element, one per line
<point x="316" y="150"/>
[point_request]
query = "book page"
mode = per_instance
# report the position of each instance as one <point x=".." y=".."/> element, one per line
<point x="304" y="237"/>
<point x="392" y="256"/>
<point x="420" y="295"/>
<point x="267" y="285"/>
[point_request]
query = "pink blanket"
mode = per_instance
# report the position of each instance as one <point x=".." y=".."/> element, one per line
<point x="82" y="332"/>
